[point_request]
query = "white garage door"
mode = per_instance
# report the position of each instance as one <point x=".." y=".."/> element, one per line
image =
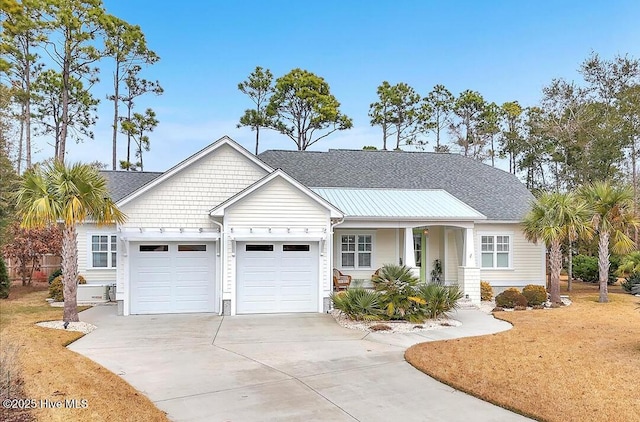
<point x="172" y="277"/>
<point x="277" y="277"/>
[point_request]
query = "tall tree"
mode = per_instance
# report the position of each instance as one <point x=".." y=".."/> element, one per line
<point x="380" y="112"/>
<point x="398" y="108"/>
<point x="468" y="108"/>
<point x="554" y="218"/>
<point x="22" y="33"/>
<point x="304" y="108"/>
<point x="134" y="88"/>
<point x="440" y="101"/>
<point x="127" y="46"/>
<point x="613" y="218"/>
<point x="489" y="128"/>
<point x="258" y="87"/>
<point x="76" y="24"/>
<point x="81" y="107"/>
<point x="512" y="132"/>
<point x="534" y="150"/>
<point x="71" y="195"/>
<point x="137" y="128"/>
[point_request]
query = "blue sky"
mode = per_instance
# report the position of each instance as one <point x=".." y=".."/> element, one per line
<point x="506" y="50"/>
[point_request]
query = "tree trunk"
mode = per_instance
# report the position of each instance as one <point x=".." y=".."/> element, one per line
<point x="555" y="261"/>
<point x="257" y="138"/>
<point x="570" y="269"/>
<point x="27" y="114"/>
<point x="603" y="265"/>
<point x="65" y="97"/>
<point x="70" y="273"/>
<point x="493" y="152"/>
<point x="129" y="106"/>
<point x="21" y="141"/>
<point x="114" y="140"/>
<point x="384" y="136"/>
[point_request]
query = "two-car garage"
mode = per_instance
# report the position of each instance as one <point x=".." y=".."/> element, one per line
<point x="180" y="277"/>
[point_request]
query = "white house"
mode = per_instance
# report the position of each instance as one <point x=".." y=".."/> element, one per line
<point x="227" y="232"/>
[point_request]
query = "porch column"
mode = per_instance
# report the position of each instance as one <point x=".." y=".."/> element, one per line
<point x="469" y="272"/>
<point x="469" y="249"/>
<point x="409" y="254"/>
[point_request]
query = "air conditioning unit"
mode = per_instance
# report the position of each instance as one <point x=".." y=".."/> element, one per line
<point x="93" y="293"/>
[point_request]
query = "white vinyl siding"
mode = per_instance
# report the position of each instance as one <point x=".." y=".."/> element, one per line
<point x="184" y="200"/>
<point x="92" y="274"/>
<point x="527" y="260"/>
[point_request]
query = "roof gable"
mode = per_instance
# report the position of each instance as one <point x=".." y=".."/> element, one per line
<point x="219" y="210"/>
<point x="225" y="140"/>
<point x="498" y="195"/>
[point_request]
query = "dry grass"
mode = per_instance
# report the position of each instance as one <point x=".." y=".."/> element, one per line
<point x="50" y="371"/>
<point x="577" y="363"/>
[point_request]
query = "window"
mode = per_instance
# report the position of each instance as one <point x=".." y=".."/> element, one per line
<point x="295" y="248"/>
<point x="154" y="248"/>
<point x="495" y="251"/>
<point x="104" y="249"/>
<point x="355" y="250"/>
<point x="259" y="248"/>
<point x="192" y="248"/>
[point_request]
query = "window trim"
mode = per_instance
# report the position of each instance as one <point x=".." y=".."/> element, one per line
<point x="356" y="233"/>
<point x="109" y="250"/>
<point x="495" y="235"/>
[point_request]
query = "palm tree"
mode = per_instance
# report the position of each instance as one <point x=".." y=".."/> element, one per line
<point x="612" y="219"/>
<point x="55" y="194"/>
<point x="554" y="218"/>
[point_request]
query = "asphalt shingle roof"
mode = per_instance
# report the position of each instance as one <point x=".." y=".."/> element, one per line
<point x="122" y="183"/>
<point x="493" y="192"/>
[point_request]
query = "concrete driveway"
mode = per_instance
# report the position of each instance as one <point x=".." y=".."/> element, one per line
<point x="302" y="367"/>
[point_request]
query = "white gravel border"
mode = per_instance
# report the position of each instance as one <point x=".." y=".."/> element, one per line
<point x="83" y="327"/>
<point x="396" y="326"/>
<point x="487" y="306"/>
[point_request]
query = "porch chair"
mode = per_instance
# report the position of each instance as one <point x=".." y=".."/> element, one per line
<point x="340" y="281"/>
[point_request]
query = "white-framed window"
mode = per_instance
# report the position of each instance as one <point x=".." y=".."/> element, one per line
<point x="356" y="250"/>
<point x="103" y="250"/>
<point x="495" y="251"/>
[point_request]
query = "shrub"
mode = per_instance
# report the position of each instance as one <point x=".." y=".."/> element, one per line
<point x="397" y="287"/>
<point x="536" y="295"/>
<point x="55" y="274"/>
<point x="630" y="281"/>
<point x="486" y="291"/>
<point x="56" y="287"/>
<point x="586" y="268"/>
<point x="439" y="299"/>
<point x="511" y="298"/>
<point x="5" y="282"/>
<point x="358" y="304"/>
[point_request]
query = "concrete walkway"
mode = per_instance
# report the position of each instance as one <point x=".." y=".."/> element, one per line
<point x="302" y="367"/>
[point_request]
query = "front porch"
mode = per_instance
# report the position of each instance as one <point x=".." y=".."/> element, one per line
<point x="442" y="252"/>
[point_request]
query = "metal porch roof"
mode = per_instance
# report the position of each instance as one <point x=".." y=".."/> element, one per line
<point x="431" y="204"/>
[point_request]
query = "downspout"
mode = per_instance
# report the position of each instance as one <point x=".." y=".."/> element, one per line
<point x="221" y="263"/>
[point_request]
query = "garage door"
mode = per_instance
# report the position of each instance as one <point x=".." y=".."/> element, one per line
<point x="277" y="277"/>
<point x="172" y="277"/>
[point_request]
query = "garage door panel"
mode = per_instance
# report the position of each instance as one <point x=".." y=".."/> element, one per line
<point x="174" y="281"/>
<point x="278" y="278"/>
